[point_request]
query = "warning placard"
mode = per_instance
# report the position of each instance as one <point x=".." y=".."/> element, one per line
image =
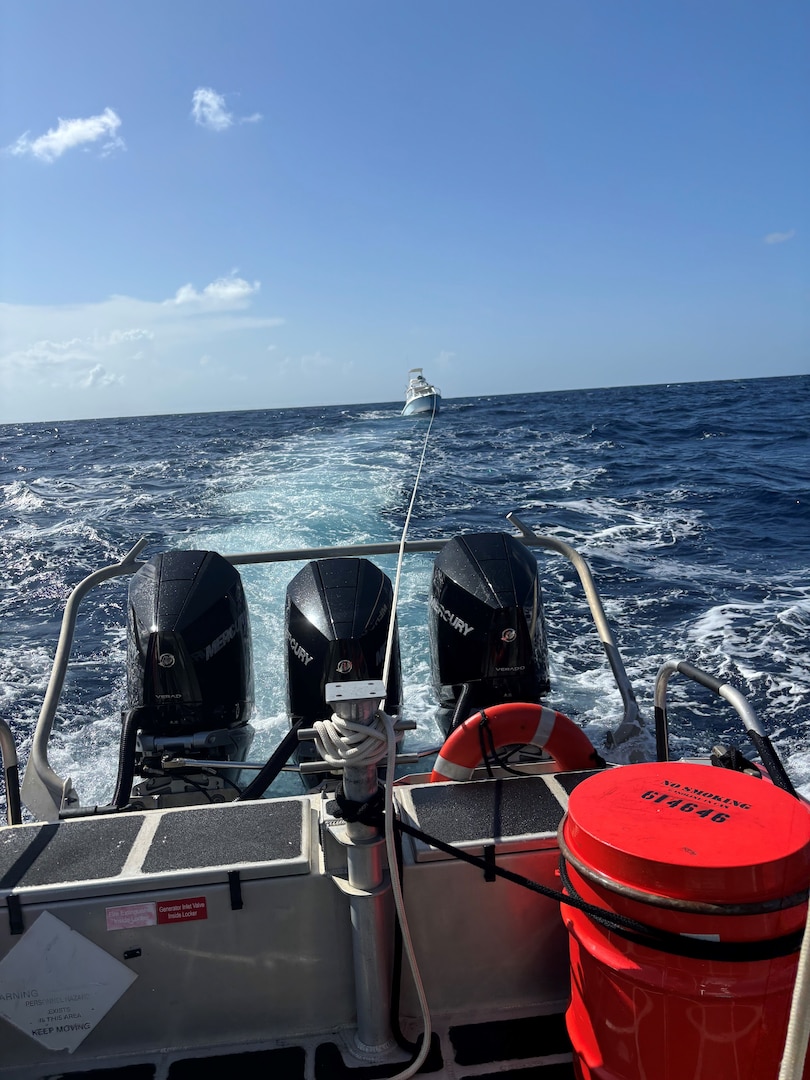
<point x="56" y="985"/>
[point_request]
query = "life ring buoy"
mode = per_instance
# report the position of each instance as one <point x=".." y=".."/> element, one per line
<point x="516" y="723"/>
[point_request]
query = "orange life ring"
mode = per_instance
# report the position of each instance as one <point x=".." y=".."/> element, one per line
<point x="516" y="723"/>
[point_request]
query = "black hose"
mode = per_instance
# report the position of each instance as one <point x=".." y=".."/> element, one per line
<point x="126" y="757"/>
<point x="126" y="771"/>
<point x="13" y="804"/>
<point x="460" y="712"/>
<point x="770" y="759"/>
<point x="273" y="766"/>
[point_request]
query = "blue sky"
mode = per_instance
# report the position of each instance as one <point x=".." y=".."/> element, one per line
<point x="270" y="204"/>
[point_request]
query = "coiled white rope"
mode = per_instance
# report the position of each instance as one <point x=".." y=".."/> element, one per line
<point x="347" y="742"/>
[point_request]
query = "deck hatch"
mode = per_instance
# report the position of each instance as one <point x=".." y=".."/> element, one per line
<point x="520" y="813"/>
<point x="233" y="835"/>
<point x="65" y="851"/>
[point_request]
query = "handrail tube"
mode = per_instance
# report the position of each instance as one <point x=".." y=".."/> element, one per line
<point x="11" y="773"/>
<point x="388" y="547"/>
<point x="737" y="700"/>
<point x="42" y="789"/>
<point x="729" y="693"/>
<point x="631" y="722"/>
<point x="668" y="668"/>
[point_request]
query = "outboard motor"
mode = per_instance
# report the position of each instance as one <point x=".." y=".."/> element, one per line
<point x="189" y="675"/>
<point x="486" y="626"/>
<point x="336" y="620"/>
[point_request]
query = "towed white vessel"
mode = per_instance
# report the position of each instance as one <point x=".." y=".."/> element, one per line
<point x="420" y="395"/>
<point x="516" y="912"/>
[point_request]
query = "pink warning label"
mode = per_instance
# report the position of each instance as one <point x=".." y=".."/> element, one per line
<point x="129" y="916"/>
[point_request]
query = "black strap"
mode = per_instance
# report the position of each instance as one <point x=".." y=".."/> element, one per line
<point x="682" y="944"/>
<point x="15" y="919"/>
<point x="235" y="885"/>
<point x="636" y="932"/>
<point x="370" y="812"/>
<point x="489" y="863"/>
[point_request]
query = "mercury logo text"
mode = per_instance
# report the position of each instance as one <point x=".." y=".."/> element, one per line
<point x="450" y="618"/>
<point x="298" y="650"/>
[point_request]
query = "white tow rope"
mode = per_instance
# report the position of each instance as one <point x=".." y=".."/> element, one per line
<point x="396" y="887"/>
<point x="798" y="1032"/>
<point x="345" y="742"/>
<point x="392" y="623"/>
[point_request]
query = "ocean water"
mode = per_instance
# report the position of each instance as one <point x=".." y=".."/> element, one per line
<point x="691" y="503"/>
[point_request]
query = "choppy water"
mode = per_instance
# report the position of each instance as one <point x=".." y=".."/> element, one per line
<point x="690" y="502"/>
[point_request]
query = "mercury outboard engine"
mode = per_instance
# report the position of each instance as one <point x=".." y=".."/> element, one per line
<point x="486" y="626"/>
<point x="189" y="677"/>
<point x="336" y="620"/>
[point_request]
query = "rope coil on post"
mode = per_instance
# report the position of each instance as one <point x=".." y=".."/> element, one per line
<point x="347" y="742"/>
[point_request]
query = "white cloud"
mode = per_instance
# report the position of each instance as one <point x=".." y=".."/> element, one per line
<point x="118" y="336"/>
<point x="69" y="134"/>
<point x="318" y="366"/>
<point x="208" y="109"/>
<point x="779" y="237"/>
<point x="225" y="292"/>
<point x="125" y="356"/>
<point x="98" y="376"/>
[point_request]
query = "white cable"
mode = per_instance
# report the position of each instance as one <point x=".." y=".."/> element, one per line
<point x="798" y="1031"/>
<point x="399" y="904"/>
<point x="391" y="759"/>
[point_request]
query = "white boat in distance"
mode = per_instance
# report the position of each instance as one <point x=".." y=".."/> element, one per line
<point x="420" y="395"/>
<point x="512" y="913"/>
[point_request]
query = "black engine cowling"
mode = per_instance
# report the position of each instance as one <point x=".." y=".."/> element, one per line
<point x="486" y="626"/>
<point x="189" y="656"/>
<point x="189" y="659"/>
<point x="336" y="620"/>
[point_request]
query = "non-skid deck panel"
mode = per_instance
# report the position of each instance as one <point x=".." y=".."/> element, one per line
<point x="67" y="851"/>
<point x="98" y="848"/>
<point x="570" y="780"/>
<point x="227" y="835"/>
<point x="487" y="809"/>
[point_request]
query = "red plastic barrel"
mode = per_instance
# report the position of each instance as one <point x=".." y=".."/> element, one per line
<point x="695" y="851"/>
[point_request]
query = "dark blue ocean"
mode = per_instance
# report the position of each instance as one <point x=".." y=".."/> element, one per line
<point x="691" y="503"/>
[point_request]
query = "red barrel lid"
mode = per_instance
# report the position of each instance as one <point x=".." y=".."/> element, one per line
<point x="691" y="832"/>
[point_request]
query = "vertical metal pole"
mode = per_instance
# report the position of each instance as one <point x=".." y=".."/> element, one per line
<point x="368" y="886"/>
